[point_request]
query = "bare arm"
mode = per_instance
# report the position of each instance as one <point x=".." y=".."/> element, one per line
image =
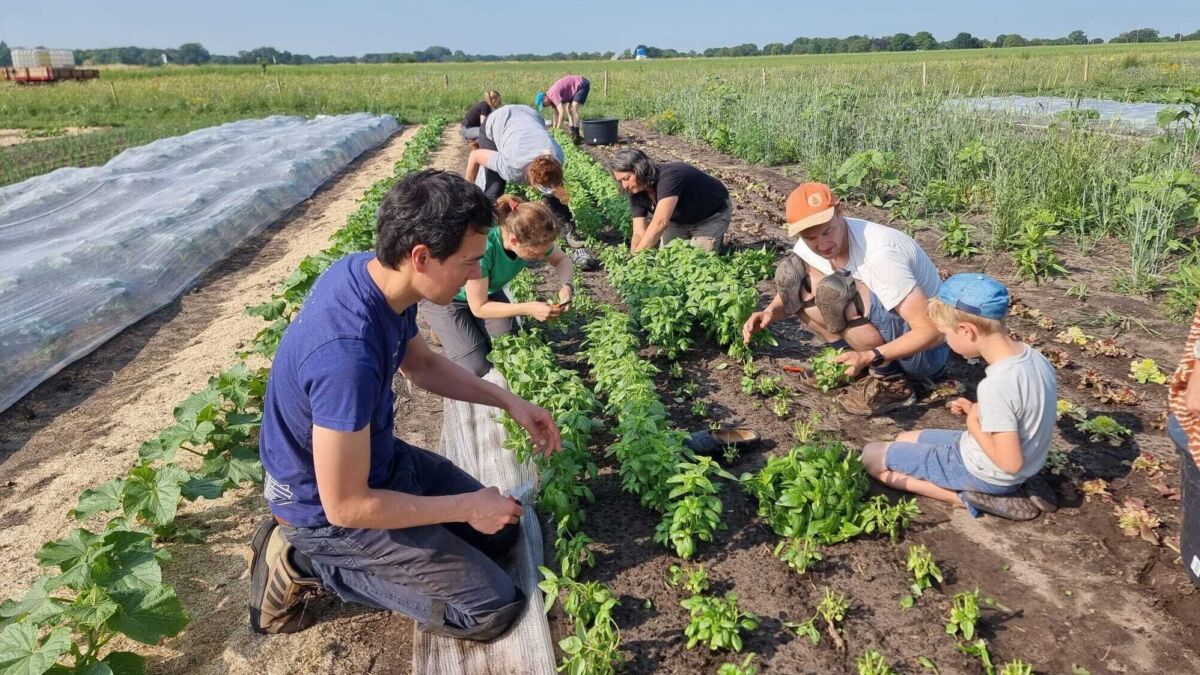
<point x="439" y="375"/>
<point x="485" y="308"/>
<point x="1002" y="447"/>
<point x="763" y="318"/>
<point x="662" y="215"/>
<point x="564" y="267"/>
<point x="343" y="461"/>
<point x="639" y="231"/>
<point x="922" y="334"/>
<point x="476" y="159"/>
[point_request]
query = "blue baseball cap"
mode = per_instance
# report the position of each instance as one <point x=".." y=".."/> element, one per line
<point x="976" y="294"/>
<point x="540" y="100"/>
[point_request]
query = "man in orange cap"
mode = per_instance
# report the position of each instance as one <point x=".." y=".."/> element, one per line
<point x="864" y="287"/>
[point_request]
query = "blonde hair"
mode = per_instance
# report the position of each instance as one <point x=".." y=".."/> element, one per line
<point x="492" y="97"/>
<point x="532" y="223"/>
<point x="947" y="317"/>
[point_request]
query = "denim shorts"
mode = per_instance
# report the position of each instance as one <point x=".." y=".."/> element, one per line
<point x="935" y="458"/>
<point x="581" y="94"/>
<point x="891" y="325"/>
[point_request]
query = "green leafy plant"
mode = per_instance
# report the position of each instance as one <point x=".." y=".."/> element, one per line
<point x="956" y="240"/>
<point x="1033" y="250"/>
<point x="734" y="669"/>
<point x="831" y="610"/>
<point x="872" y="663"/>
<point x="1016" y="667"/>
<point x="964" y="615"/>
<point x="868" y="176"/>
<point x="1103" y="427"/>
<point x="827" y="371"/>
<point x="1145" y="371"/>
<point x="694" y="512"/>
<point x="799" y="554"/>
<point x="717" y="622"/>
<point x="924" y="570"/>
<point x="694" y="580"/>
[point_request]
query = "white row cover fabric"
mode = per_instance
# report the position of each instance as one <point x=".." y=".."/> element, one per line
<point x="85" y="253"/>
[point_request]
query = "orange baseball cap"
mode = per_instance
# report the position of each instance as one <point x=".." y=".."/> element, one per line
<point x="809" y="204"/>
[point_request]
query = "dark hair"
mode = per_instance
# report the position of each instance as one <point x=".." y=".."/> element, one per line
<point x="636" y="162"/>
<point x="430" y="207"/>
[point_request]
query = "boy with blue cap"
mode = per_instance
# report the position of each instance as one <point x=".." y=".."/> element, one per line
<point x="1008" y="431"/>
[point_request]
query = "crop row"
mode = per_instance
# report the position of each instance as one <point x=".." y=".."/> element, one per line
<point x="109" y="581"/>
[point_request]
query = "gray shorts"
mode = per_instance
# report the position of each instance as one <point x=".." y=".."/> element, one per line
<point x="469" y="133"/>
<point x="465" y="338"/>
<point x="708" y="234"/>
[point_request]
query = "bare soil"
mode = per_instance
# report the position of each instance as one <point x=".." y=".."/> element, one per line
<point x="18" y="136"/>
<point x="1074" y="589"/>
<point x="83" y="426"/>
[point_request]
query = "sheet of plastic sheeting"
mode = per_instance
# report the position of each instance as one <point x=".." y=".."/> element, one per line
<point x="473" y="439"/>
<point x="85" y="253"/>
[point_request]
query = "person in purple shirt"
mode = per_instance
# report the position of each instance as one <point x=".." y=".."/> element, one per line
<point x="566" y="96"/>
<point x="354" y="510"/>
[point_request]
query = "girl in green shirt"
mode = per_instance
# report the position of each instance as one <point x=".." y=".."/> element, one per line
<point x="524" y="231"/>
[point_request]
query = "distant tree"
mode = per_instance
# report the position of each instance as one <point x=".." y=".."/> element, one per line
<point x="5" y="55"/>
<point x="964" y="41"/>
<point x="191" y="54"/>
<point x="1011" y="40"/>
<point x="902" y="42"/>
<point x="1139" y="35"/>
<point x="1189" y="36"/>
<point x="774" y="49"/>
<point x="925" y="41"/>
<point x="857" y="44"/>
<point x="1077" y="37"/>
<point x="1097" y="41"/>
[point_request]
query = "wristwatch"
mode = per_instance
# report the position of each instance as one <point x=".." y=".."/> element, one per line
<point x="878" y="360"/>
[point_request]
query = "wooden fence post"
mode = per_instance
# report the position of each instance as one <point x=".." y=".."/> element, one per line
<point x="764" y="80"/>
<point x="1085" y="68"/>
<point x="606" y="85"/>
<point x="924" y="74"/>
<point x="445" y="80"/>
<point x="113" y="88"/>
<point x="278" y="86"/>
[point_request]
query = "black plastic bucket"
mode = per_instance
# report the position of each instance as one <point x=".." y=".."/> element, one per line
<point x="1189" y="503"/>
<point x="600" y="132"/>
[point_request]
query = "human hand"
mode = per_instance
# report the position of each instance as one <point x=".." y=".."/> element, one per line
<point x="754" y="323"/>
<point x="543" y="311"/>
<point x="857" y="361"/>
<point x="538" y="422"/>
<point x="961" y="406"/>
<point x="488" y="511"/>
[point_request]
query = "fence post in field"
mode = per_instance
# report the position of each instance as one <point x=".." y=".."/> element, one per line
<point x="278" y="86"/>
<point x="764" y="80"/>
<point x="606" y="85"/>
<point x="924" y="74"/>
<point x="1085" y="68"/>
<point x="113" y="88"/>
<point x="445" y="80"/>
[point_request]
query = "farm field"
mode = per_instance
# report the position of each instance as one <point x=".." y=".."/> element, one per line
<point x="1092" y="228"/>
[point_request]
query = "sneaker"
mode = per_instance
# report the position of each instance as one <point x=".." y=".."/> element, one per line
<point x="1041" y="494"/>
<point x="278" y="593"/>
<point x="876" y="396"/>
<point x="1015" y="506"/>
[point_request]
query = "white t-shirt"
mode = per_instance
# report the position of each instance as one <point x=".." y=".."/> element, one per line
<point x="888" y="261"/>
<point x="1017" y="394"/>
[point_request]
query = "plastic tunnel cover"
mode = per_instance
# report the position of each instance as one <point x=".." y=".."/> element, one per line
<point x="85" y="253"/>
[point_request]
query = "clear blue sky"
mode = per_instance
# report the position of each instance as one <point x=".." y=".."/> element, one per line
<point x="354" y="27"/>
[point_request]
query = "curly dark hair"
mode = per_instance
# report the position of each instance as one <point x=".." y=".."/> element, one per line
<point x="430" y="207"/>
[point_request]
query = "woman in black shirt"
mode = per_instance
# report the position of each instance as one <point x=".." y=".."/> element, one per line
<point x="671" y="201"/>
<point x="473" y="120"/>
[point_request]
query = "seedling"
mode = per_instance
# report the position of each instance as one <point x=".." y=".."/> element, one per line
<point x="805" y="430"/>
<point x="1136" y="519"/>
<point x="924" y="570"/>
<point x="799" y="554"/>
<point x="1017" y="667"/>
<point x="1065" y="408"/>
<point x="872" y="663"/>
<point x="719" y="623"/>
<point x="695" y="581"/>
<point x="1103" y="427"/>
<point x="1096" y="487"/>
<point x="832" y="610"/>
<point x="781" y="403"/>
<point x="744" y="669"/>
<point x="956" y="239"/>
<point x="1105" y="347"/>
<point x="1073" y="335"/>
<point x="964" y="614"/>
<point x="1145" y="371"/>
<point x="676" y="370"/>
<point x="827" y="372"/>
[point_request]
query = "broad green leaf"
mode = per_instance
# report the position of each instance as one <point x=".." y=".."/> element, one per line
<point x="91" y="609"/>
<point x="67" y="552"/>
<point x="201" y="406"/>
<point x="131" y="564"/>
<point x="125" y="663"/>
<point x="21" y="653"/>
<point x="208" y="488"/>
<point x="153" y="495"/>
<point x="104" y="497"/>
<point x="149" y="617"/>
<point x="36" y="605"/>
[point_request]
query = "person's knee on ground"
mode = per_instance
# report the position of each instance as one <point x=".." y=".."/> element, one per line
<point x="874" y="458"/>
<point x="483" y="622"/>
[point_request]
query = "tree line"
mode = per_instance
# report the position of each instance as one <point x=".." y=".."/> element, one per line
<point x="194" y="53"/>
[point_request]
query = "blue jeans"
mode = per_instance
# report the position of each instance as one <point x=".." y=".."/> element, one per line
<point x="444" y="577"/>
<point x="891" y="325"/>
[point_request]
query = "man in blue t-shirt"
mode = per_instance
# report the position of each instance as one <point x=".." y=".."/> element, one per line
<point x="357" y="511"/>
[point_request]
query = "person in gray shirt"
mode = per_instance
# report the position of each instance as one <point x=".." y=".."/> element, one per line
<point x="511" y="139"/>
<point x="1008" y="431"/>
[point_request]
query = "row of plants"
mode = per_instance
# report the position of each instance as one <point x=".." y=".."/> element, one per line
<point x="595" y="198"/>
<point x="109" y="584"/>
